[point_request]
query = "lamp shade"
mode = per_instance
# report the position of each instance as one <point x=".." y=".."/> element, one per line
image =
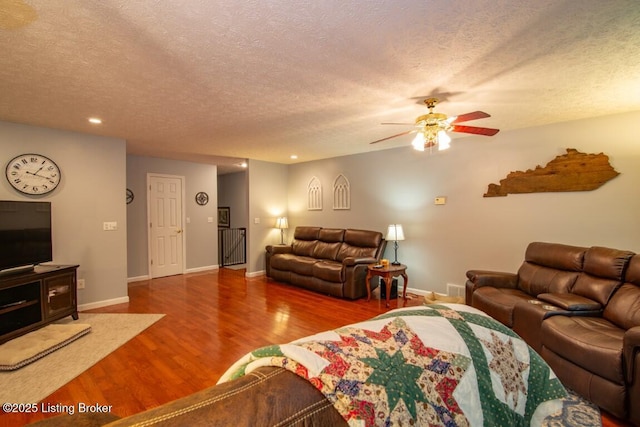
<point x="282" y="223"/>
<point x="395" y="233"/>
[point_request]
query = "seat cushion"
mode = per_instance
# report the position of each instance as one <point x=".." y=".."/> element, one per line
<point x="498" y="302"/>
<point x="297" y="264"/>
<point x="593" y="343"/>
<point x="329" y="271"/>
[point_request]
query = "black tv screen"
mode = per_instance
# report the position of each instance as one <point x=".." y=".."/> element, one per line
<point x="25" y="233"/>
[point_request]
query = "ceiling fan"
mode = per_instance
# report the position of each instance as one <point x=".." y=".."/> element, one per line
<point x="432" y="128"/>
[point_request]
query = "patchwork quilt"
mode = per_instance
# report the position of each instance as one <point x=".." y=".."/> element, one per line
<point x="448" y="364"/>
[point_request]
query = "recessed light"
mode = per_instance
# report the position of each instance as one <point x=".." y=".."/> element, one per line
<point x="95" y="120"/>
<point x="293" y="157"/>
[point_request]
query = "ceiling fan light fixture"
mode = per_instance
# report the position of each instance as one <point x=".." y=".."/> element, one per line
<point x="444" y="140"/>
<point x="418" y="142"/>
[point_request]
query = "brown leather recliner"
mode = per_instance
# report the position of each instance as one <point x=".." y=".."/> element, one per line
<point x="599" y="357"/>
<point x="332" y="261"/>
<point x="547" y="268"/>
<point x="580" y="309"/>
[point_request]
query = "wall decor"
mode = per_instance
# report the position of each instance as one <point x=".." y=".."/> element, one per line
<point x="224" y="217"/>
<point x="130" y="196"/>
<point x="341" y="193"/>
<point x="33" y="174"/>
<point x="314" y="195"/>
<point x="202" y="198"/>
<point x="574" y="171"/>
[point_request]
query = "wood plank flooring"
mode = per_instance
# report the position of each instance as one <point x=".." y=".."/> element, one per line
<point x="211" y="320"/>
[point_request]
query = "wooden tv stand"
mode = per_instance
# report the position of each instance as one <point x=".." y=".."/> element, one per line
<point x="32" y="299"/>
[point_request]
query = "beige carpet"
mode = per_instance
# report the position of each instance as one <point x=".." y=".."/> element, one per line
<point x="39" y="379"/>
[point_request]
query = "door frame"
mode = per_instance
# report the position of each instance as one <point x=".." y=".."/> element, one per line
<point x="183" y="216"/>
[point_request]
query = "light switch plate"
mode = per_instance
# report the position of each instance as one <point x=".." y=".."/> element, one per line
<point x="110" y="226"/>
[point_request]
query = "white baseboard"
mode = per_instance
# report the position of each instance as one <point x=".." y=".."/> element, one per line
<point x="417" y="291"/>
<point x="255" y="273"/>
<point x="201" y="269"/>
<point x="105" y="303"/>
<point x="137" y="279"/>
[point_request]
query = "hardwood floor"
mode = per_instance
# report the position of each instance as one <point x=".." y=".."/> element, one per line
<point x="211" y="320"/>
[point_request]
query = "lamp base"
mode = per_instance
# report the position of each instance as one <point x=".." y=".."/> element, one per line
<point x="395" y="263"/>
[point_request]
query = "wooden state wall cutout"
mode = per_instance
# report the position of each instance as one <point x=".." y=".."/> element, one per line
<point x="574" y="171"/>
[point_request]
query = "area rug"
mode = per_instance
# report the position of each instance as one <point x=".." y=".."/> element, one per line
<point x="28" y="348"/>
<point x="39" y="379"/>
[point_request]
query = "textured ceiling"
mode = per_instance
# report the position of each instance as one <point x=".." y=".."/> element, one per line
<point x="200" y="79"/>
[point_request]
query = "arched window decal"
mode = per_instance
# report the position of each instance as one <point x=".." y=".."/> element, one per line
<point x="314" y="195"/>
<point x="341" y="193"/>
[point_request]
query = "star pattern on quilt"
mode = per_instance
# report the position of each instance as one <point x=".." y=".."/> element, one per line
<point x="508" y="367"/>
<point x="398" y="377"/>
<point x="394" y="364"/>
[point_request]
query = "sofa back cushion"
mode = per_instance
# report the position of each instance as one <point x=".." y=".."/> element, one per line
<point x="624" y="307"/>
<point x="536" y="279"/>
<point x="360" y="244"/>
<point x="307" y="233"/>
<point x="556" y="255"/>
<point x="324" y="250"/>
<point x="329" y="242"/>
<point x="331" y="235"/>
<point x="550" y="268"/>
<point x="602" y="273"/>
<point x="304" y="240"/>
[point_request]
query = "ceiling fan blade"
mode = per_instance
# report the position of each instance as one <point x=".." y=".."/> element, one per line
<point x="471" y="116"/>
<point x="393" y="136"/>
<point x="475" y="130"/>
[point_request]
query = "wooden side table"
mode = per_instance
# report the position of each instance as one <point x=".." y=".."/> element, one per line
<point x="386" y="274"/>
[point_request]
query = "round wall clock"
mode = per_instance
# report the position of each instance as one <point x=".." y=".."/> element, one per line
<point x="202" y="198"/>
<point x="33" y="174"/>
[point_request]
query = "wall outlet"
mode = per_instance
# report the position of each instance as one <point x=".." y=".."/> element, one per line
<point x="80" y="283"/>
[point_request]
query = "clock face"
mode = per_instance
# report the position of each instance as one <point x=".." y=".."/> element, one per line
<point x="33" y="174"/>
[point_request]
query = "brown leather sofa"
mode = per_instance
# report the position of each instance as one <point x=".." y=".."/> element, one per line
<point x="328" y="260"/>
<point x="580" y="309"/>
<point x="279" y="396"/>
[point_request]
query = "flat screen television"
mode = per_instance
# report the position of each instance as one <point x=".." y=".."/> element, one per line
<point x="25" y="233"/>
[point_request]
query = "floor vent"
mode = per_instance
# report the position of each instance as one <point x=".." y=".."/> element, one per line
<point x="455" y="290"/>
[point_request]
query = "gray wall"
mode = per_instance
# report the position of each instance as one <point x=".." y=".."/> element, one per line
<point x="201" y="236"/>
<point x="233" y="192"/>
<point x="91" y="192"/>
<point x="470" y="231"/>
<point x="267" y="201"/>
<point x="390" y="186"/>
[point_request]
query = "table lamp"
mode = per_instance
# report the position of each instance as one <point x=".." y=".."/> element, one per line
<point x="395" y="233"/>
<point x="282" y="224"/>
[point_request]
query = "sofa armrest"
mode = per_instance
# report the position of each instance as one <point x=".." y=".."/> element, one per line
<point x="572" y="302"/>
<point x="631" y="352"/>
<point x="348" y="261"/>
<point x="279" y="249"/>
<point x="497" y="279"/>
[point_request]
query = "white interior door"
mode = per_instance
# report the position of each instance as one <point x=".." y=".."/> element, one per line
<point x="166" y="241"/>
